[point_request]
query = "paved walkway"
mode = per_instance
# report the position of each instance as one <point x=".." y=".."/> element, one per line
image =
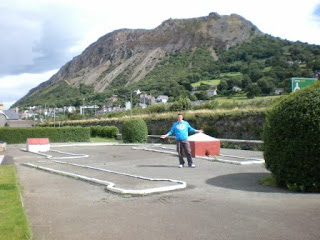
<point x="221" y="201"/>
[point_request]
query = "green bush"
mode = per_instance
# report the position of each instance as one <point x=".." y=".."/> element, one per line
<point x="106" y="131"/>
<point x="156" y="108"/>
<point x="134" y="131"/>
<point x="63" y="134"/>
<point x="292" y="140"/>
<point x="213" y="104"/>
<point x="182" y="104"/>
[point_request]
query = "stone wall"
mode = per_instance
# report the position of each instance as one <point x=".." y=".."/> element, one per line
<point x="228" y="125"/>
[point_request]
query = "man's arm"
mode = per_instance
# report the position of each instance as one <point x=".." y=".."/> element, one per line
<point x="169" y="133"/>
<point x="191" y="129"/>
<point x="199" y="131"/>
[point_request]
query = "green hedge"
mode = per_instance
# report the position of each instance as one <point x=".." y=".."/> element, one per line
<point x="105" y="131"/>
<point x="231" y="124"/>
<point x="134" y="131"/>
<point x="292" y="140"/>
<point x="63" y="134"/>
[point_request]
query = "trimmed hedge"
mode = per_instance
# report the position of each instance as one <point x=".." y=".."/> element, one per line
<point x="63" y="134"/>
<point x="134" y="131"/>
<point x="292" y="140"/>
<point x="232" y="124"/>
<point x="105" y="131"/>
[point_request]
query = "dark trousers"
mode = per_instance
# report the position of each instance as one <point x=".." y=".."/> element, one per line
<point x="184" y="146"/>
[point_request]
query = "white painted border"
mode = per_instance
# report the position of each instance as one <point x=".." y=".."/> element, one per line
<point x="213" y="158"/>
<point x="110" y="185"/>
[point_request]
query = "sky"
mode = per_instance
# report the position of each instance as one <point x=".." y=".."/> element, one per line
<point x="39" y="36"/>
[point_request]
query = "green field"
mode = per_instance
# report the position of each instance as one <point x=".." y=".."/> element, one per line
<point x="13" y="220"/>
<point x="213" y="82"/>
<point x="266" y="69"/>
<point x="100" y="139"/>
<point x="231" y="74"/>
<point x="243" y="99"/>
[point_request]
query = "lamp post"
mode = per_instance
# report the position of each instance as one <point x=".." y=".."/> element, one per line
<point x="83" y="106"/>
<point x="137" y="92"/>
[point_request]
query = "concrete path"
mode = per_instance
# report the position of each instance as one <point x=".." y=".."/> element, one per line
<point x="221" y="201"/>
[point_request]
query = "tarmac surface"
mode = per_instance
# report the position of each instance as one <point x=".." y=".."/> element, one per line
<point x="221" y="200"/>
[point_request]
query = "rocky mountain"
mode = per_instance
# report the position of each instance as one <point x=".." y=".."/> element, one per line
<point x="128" y="55"/>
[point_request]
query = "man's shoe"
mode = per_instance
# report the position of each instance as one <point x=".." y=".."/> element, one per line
<point x="192" y="165"/>
<point x="181" y="166"/>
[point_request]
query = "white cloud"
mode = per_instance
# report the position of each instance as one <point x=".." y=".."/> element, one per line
<point x="14" y="87"/>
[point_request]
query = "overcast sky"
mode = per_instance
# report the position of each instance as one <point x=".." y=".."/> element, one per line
<point x="40" y="36"/>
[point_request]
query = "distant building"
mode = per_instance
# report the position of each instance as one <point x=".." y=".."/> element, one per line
<point x="162" y="98"/>
<point x="70" y="109"/>
<point x="3" y="118"/>
<point x="11" y="118"/>
<point x="128" y="105"/>
<point x="113" y="98"/>
<point x="12" y="114"/>
<point x="278" y="91"/>
<point x="20" y="123"/>
<point x="146" y="99"/>
<point x="94" y="107"/>
<point x="316" y="74"/>
<point x="236" y="89"/>
<point x="212" y="91"/>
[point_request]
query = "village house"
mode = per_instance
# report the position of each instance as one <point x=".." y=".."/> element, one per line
<point x="146" y="100"/>
<point x="162" y="99"/>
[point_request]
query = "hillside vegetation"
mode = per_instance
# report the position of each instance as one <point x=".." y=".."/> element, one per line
<point x="257" y="67"/>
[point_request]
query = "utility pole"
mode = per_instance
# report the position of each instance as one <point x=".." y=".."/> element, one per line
<point x="131" y="104"/>
<point x="83" y="107"/>
<point x="137" y="92"/>
<point x="54" y="117"/>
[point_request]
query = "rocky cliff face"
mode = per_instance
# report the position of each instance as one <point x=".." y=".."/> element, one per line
<point x="131" y="54"/>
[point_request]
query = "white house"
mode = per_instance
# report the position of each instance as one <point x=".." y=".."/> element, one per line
<point x="3" y="118"/>
<point x="162" y="98"/>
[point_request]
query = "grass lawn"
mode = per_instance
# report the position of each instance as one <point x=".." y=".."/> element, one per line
<point x="13" y="221"/>
<point x="231" y="74"/>
<point x="100" y="139"/>
<point x="213" y="82"/>
<point x="266" y="69"/>
<point x="243" y="99"/>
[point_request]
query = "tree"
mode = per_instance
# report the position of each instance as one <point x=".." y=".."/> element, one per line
<point x="202" y="95"/>
<point x="223" y="85"/>
<point x="183" y="103"/>
<point x="253" y="90"/>
<point x="266" y="85"/>
<point x="255" y="74"/>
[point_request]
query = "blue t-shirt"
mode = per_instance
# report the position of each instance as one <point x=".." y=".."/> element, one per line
<point x="181" y="130"/>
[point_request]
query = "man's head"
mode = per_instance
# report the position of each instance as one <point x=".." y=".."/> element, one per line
<point x="180" y="117"/>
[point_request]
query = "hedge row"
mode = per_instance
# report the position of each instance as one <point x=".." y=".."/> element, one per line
<point x="105" y="131"/>
<point x="229" y="124"/>
<point x="63" y="134"/>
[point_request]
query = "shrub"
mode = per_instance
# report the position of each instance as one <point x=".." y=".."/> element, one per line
<point x="134" y="131"/>
<point x="292" y="140"/>
<point x="63" y="134"/>
<point x="182" y="104"/>
<point x="106" y="131"/>
<point x="156" y="108"/>
<point x="213" y="104"/>
<point x="109" y="131"/>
